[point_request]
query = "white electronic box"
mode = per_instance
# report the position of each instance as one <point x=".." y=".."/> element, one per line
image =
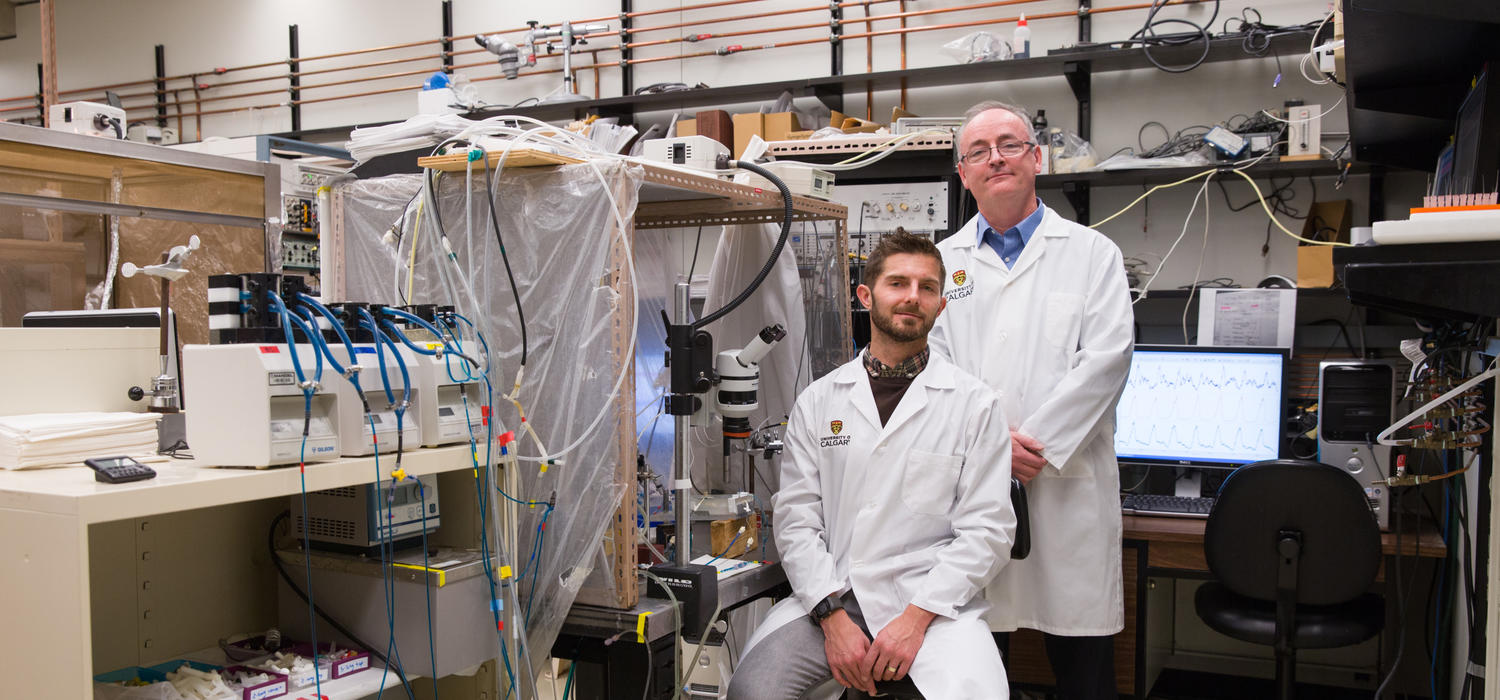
<point x="451" y="402"/>
<point x="353" y="427"/>
<point x="251" y="412"/>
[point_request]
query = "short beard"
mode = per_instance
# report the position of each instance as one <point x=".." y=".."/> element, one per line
<point x="887" y="325"/>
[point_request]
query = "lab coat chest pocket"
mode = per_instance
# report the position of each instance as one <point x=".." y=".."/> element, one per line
<point x="929" y="484"/>
<point x="1063" y="320"/>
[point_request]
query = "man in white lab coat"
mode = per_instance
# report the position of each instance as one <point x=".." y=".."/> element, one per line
<point x="1039" y="308"/>
<point x="894" y="511"/>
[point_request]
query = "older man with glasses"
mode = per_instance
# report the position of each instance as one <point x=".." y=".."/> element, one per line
<point x="1038" y="307"/>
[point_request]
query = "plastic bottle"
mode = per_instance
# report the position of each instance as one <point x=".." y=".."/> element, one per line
<point x="1020" y="41"/>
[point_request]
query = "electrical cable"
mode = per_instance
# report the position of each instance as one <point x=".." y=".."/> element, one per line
<point x="288" y="320"/>
<point x="427" y="589"/>
<point x="1146" y="288"/>
<point x="727" y="547"/>
<point x="786" y="224"/>
<point x="489" y="189"/>
<point x="1148" y="36"/>
<point x="1202" y="252"/>
<point x="297" y="590"/>
<point x="569" y="141"/>
<point x="677" y="625"/>
<point x="1400" y="605"/>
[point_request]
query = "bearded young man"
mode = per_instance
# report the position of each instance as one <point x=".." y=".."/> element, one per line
<point x="894" y="510"/>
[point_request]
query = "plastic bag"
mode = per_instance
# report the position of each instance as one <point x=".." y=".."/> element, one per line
<point x="814" y="113"/>
<point x="1128" y="161"/>
<point x="978" y="47"/>
<point x="1069" y="152"/>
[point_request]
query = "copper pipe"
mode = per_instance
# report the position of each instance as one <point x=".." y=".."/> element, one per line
<point x="358" y="66"/>
<point x="536" y="72"/>
<point x="216" y="71"/>
<point x="405" y="88"/>
<point x="197" y="121"/>
<point x="941" y="10"/>
<point x="356" y="52"/>
<point x="866" y="3"/>
<point x="456" y="54"/>
<point x="716" y="20"/>
<point x="215" y="98"/>
<point x="1008" y="20"/>
<point x="869" y="68"/>
<point x="103" y="87"/>
<point x="901" y="7"/>
<point x="201" y="114"/>
<point x="683" y="8"/>
<point x="727" y="35"/>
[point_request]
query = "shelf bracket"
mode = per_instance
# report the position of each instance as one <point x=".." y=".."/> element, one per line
<point x="835" y="40"/>
<point x="1080" y="78"/>
<point x="161" y="85"/>
<point x="627" y="73"/>
<point x="1077" y="193"/>
<point x="447" y="42"/>
<point x="293" y="68"/>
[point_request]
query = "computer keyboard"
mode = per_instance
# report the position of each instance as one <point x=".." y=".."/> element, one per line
<point x="1175" y="506"/>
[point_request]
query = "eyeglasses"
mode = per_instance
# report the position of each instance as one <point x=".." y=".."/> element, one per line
<point x="1009" y="149"/>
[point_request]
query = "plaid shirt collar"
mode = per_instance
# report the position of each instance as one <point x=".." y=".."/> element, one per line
<point x="905" y="369"/>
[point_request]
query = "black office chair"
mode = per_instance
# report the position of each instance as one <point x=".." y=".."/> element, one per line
<point x="905" y="689"/>
<point x="1293" y="549"/>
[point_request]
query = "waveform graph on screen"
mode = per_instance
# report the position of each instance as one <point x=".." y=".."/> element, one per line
<point x="1192" y="406"/>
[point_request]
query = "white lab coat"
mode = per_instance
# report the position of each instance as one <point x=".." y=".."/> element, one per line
<point x="1053" y="336"/>
<point x="917" y="511"/>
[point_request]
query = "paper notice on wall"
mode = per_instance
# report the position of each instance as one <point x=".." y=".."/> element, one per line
<point x="1247" y="317"/>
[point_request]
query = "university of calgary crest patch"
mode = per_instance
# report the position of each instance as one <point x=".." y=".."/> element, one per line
<point x="836" y="426"/>
<point x="959" y="276"/>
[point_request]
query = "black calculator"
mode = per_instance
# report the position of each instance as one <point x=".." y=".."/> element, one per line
<point x="118" y="470"/>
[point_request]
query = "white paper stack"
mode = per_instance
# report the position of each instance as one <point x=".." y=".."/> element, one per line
<point x="62" y="439"/>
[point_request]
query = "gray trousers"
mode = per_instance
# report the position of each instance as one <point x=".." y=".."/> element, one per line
<point x="789" y="662"/>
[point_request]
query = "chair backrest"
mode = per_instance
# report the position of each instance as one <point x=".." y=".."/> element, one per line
<point x="1340" y="541"/>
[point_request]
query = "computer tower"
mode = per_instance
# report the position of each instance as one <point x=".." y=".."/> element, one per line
<point x="1357" y="400"/>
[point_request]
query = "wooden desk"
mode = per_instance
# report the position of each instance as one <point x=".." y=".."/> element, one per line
<point x="1164" y="547"/>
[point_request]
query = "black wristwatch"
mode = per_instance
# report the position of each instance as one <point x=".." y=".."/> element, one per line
<point x="826" y="607"/>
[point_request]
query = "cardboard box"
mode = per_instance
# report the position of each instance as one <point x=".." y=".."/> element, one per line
<point x="1314" y="266"/>
<point x="1328" y="221"/>
<point x="687" y="127"/>
<point x="745" y="126"/>
<point x="779" y="126"/>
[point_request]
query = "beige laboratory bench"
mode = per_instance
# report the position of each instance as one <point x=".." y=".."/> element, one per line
<point x="56" y="522"/>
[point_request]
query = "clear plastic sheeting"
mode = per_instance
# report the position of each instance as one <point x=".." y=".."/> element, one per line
<point x="654" y="429"/>
<point x="559" y="233"/>
<point x="802" y="295"/>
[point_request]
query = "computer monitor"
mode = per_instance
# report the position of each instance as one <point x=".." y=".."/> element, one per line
<point x="1202" y="406"/>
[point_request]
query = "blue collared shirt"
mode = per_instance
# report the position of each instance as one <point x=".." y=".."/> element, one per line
<point x="1008" y="245"/>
